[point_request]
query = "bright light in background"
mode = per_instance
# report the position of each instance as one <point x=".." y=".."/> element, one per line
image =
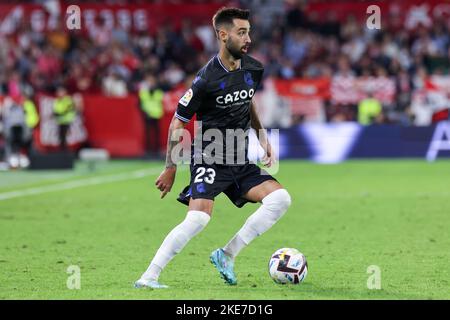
<point x="330" y="143"/>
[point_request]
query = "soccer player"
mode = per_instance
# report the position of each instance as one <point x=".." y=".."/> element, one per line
<point x="221" y="97"/>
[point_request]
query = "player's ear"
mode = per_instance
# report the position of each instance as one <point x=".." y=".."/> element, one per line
<point x="222" y="34"/>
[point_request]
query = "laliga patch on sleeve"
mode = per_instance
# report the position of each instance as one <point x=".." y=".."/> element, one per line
<point x="186" y="98"/>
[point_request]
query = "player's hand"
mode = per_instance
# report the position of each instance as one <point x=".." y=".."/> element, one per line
<point x="269" y="157"/>
<point x="165" y="180"/>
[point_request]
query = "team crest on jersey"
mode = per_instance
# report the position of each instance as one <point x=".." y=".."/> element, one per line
<point x="248" y="78"/>
<point x="201" y="188"/>
<point x="186" y="98"/>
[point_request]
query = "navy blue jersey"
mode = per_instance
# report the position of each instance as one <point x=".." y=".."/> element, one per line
<point x="221" y="100"/>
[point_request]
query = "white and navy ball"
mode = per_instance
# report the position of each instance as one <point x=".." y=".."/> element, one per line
<point x="288" y="265"/>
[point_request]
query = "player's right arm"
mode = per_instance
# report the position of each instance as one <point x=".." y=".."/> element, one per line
<point x="166" y="179"/>
<point x="187" y="107"/>
<point x="269" y="157"/>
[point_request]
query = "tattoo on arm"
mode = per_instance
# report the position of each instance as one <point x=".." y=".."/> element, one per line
<point x="172" y="140"/>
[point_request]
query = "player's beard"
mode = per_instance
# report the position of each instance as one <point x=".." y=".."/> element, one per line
<point x="233" y="49"/>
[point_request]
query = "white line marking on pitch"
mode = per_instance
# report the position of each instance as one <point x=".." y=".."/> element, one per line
<point x="79" y="183"/>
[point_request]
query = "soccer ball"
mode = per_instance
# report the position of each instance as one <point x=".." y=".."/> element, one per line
<point x="288" y="265"/>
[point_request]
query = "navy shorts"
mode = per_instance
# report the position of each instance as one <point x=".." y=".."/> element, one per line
<point x="208" y="181"/>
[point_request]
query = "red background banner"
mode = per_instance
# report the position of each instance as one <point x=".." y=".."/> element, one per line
<point x="392" y="12"/>
<point x="306" y="88"/>
<point x="134" y="17"/>
<point x="114" y="124"/>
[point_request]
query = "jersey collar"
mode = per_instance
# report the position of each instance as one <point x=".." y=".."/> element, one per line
<point x="221" y="64"/>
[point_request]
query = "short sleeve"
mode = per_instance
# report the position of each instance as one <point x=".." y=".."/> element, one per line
<point x="191" y="101"/>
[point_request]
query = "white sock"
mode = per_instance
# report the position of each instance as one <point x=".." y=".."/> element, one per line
<point x="194" y="222"/>
<point x="273" y="207"/>
<point x="235" y="245"/>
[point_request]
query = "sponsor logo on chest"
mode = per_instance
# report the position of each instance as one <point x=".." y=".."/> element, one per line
<point x="234" y="97"/>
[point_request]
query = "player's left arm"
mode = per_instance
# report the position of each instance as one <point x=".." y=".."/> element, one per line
<point x="261" y="133"/>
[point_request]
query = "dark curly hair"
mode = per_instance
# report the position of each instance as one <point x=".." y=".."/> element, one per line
<point x="225" y="16"/>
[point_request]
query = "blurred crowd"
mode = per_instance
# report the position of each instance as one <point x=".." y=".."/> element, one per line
<point x="291" y="45"/>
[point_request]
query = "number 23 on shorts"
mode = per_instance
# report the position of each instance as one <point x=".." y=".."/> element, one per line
<point x="206" y="175"/>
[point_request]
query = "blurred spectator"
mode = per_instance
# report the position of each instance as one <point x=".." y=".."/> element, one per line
<point x="174" y="74"/>
<point x="100" y="33"/>
<point x="296" y="46"/>
<point x="64" y="110"/>
<point x="295" y="15"/>
<point x="19" y="117"/>
<point x="114" y="85"/>
<point x="369" y="110"/>
<point x="151" y="104"/>
<point x="80" y="80"/>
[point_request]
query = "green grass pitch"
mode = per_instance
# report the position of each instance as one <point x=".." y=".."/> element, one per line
<point x="345" y="218"/>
